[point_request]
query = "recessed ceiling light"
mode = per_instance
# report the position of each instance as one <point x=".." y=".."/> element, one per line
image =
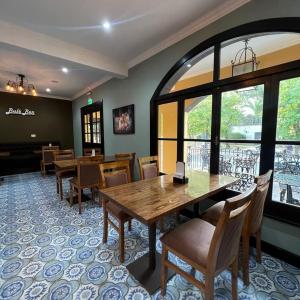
<point x="65" y="70"/>
<point x="48" y="90"/>
<point x="189" y="65"/>
<point x="106" y="25"/>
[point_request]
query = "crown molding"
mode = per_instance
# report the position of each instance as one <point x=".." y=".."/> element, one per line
<point x="40" y="95"/>
<point x="91" y="86"/>
<point x="222" y="10"/>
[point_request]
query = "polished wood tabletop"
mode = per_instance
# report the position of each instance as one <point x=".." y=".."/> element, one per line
<point x="72" y="163"/>
<point x="151" y="199"/>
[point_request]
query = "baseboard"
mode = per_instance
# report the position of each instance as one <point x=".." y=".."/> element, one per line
<point x="279" y="253"/>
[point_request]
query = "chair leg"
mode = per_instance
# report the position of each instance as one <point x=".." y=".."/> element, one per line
<point x="57" y="186"/>
<point x="105" y="223"/>
<point x="79" y="194"/>
<point x="164" y="271"/>
<point x="71" y="195"/>
<point x="129" y="225"/>
<point x="258" y="245"/>
<point x="209" y="287"/>
<point x="234" y="276"/>
<point x="121" y="241"/>
<point x="60" y="188"/>
<point x="246" y="260"/>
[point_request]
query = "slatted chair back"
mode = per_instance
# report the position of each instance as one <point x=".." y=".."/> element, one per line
<point x="148" y="166"/>
<point x="130" y="156"/>
<point x="64" y="154"/>
<point x="115" y="173"/>
<point x="225" y="242"/>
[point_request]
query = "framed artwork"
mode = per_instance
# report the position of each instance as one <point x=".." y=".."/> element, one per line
<point x="123" y="120"/>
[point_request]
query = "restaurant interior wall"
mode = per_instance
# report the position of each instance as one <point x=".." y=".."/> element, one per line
<point x="144" y="78"/>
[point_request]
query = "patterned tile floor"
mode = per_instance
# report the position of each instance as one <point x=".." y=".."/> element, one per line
<point x="48" y="251"/>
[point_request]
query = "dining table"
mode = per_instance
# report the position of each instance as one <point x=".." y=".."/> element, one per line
<point x="152" y="199"/>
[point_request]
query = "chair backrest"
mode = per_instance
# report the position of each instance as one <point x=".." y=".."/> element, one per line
<point x="256" y="208"/>
<point x="48" y="153"/>
<point x="127" y="156"/>
<point x="88" y="151"/>
<point x="149" y="167"/>
<point x="64" y="154"/>
<point x="226" y="238"/>
<point x="115" y="173"/>
<point x="88" y="171"/>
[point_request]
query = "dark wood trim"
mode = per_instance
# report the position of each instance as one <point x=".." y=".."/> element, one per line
<point x="278" y="253"/>
<point x="96" y="106"/>
<point x="270" y="77"/>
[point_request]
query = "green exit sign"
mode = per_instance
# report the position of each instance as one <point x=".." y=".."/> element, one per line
<point x="90" y="101"/>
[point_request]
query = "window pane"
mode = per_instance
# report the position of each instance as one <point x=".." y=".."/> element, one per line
<point x="271" y="49"/>
<point x="167" y="151"/>
<point x="197" y="155"/>
<point x="288" y="120"/>
<point x="196" y="71"/>
<point x="197" y="117"/>
<point x="240" y="161"/>
<point x="167" y="120"/>
<point x="241" y="113"/>
<point x="286" y="183"/>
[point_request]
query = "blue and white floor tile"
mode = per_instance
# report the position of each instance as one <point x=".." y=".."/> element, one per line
<point x="49" y="251"/>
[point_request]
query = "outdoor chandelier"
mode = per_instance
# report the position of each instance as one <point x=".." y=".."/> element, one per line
<point x="244" y="61"/>
<point x="21" y="86"/>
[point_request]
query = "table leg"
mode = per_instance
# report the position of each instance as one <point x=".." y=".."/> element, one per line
<point x="196" y="210"/>
<point x="146" y="269"/>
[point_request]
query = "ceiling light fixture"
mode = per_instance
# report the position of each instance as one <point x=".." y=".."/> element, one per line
<point x="48" y="90"/>
<point x="189" y="65"/>
<point x="106" y="25"/>
<point x="21" y="86"/>
<point x="65" y="70"/>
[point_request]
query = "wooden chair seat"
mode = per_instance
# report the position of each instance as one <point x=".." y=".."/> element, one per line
<point x="191" y="234"/>
<point x="117" y="211"/>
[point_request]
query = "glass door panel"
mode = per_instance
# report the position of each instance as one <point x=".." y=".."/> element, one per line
<point x="241" y="128"/>
<point x="286" y="183"/>
<point x="197" y="132"/>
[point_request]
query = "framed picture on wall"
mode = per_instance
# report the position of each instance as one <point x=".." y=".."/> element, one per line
<point x="123" y="120"/>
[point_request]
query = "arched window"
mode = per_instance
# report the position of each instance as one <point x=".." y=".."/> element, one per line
<point x="232" y="106"/>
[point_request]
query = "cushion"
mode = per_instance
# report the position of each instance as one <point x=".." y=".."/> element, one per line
<point x="192" y="240"/>
<point x="116" y="179"/>
<point x="150" y="171"/>
<point x="213" y="214"/>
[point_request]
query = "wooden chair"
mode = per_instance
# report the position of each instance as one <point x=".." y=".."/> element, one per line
<point x="253" y="220"/>
<point x="131" y="157"/>
<point x="47" y="157"/>
<point x="207" y="248"/>
<point x="149" y="168"/>
<point x="88" y="177"/>
<point x="113" y="174"/>
<point x="88" y="151"/>
<point x="63" y="174"/>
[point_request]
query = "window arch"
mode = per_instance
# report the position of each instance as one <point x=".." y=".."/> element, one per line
<point x="230" y="117"/>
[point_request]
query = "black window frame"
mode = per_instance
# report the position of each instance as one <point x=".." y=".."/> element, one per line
<point x="270" y="76"/>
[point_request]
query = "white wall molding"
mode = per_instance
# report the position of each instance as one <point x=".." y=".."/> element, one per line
<point x="18" y="36"/>
<point x="222" y="10"/>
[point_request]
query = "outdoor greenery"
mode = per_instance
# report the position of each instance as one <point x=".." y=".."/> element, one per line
<point x="243" y="108"/>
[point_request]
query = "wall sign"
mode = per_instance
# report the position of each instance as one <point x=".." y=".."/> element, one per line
<point x="18" y="111"/>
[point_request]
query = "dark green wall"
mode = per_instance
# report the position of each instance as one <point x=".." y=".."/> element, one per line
<point x="52" y="120"/>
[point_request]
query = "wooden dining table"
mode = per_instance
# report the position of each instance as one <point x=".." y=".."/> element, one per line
<point x="150" y="200"/>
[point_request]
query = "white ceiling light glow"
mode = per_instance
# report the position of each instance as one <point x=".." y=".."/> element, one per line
<point x="48" y="90"/>
<point x="65" y="70"/>
<point x="106" y="25"/>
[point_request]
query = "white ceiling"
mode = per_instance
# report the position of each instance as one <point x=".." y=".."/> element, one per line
<point x="45" y="34"/>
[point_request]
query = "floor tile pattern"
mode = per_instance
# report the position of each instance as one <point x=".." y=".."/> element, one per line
<point x="49" y="251"/>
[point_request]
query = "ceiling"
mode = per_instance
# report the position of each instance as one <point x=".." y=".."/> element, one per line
<point x="38" y="37"/>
